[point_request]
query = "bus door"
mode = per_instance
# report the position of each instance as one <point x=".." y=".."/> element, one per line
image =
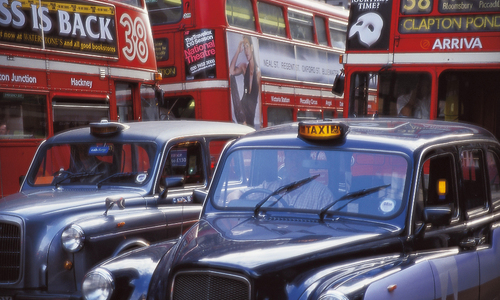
<point x="23" y="125"/>
<point x="470" y="96"/>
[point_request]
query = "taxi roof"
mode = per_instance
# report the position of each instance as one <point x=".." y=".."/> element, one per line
<point x="158" y="131"/>
<point x="397" y="134"/>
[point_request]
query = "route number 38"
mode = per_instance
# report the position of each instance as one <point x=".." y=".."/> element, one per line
<point x="416" y="6"/>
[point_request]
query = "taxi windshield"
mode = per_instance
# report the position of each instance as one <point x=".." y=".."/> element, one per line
<point x="94" y="164"/>
<point x="324" y="181"/>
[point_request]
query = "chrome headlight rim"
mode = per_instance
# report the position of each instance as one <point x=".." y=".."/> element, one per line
<point x="98" y="284"/>
<point x="73" y="238"/>
<point x="332" y="295"/>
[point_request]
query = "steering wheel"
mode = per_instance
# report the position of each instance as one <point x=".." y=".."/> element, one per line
<point x="263" y="191"/>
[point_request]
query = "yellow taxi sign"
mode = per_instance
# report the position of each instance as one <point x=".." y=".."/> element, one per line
<point x="322" y="131"/>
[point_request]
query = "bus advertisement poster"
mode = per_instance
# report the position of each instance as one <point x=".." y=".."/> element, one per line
<point x="370" y="25"/>
<point x="74" y="26"/>
<point x="306" y="64"/>
<point x="199" y="54"/>
<point x="245" y="76"/>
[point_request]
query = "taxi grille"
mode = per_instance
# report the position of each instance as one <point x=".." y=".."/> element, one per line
<point x="10" y="252"/>
<point x="206" y="285"/>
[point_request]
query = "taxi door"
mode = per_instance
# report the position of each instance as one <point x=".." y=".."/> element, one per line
<point x="489" y="250"/>
<point x="446" y="243"/>
<point x="187" y="166"/>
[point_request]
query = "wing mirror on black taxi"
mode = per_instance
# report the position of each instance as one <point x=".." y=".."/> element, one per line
<point x="171" y="182"/>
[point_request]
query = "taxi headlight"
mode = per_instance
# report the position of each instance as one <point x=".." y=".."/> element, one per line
<point x="72" y="238"/>
<point x="332" y="295"/>
<point x="98" y="284"/>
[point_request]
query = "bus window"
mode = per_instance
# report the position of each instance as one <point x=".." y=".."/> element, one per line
<point x="239" y="13"/>
<point x="301" y="26"/>
<point x="124" y="102"/>
<point x="149" y="103"/>
<point x="337" y="34"/>
<point x="304" y="115"/>
<point x="71" y="113"/>
<point x="136" y="3"/>
<point x="164" y="11"/>
<point x="329" y="114"/>
<point x="321" y="31"/>
<point x="279" y="115"/>
<point x="271" y="19"/>
<point x="22" y="116"/>
<point x="178" y="108"/>
<point x="390" y="94"/>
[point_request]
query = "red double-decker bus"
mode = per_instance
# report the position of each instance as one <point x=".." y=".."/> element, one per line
<point x="65" y="64"/>
<point x="258" y="63"/>
<point x="437" y="59"/>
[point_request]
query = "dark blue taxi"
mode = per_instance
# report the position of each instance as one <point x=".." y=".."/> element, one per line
<point x="333" y="210"/>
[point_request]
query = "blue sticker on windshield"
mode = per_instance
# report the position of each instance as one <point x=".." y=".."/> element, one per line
<point x="98" y="150"/>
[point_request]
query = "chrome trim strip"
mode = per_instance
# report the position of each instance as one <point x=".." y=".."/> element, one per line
<point x="137" y="230"/>
<point x="419" y="58"/>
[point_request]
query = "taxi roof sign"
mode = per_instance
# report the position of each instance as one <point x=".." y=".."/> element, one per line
<point x="322" y="130"/>
<point x="105" y="128"/>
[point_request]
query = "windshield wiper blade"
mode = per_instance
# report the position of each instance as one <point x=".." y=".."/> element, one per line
<point x="284" y="189"/>
<point x="124" y="174"/>
<point x="71" y="175"/>
<point x="352" y="196"/>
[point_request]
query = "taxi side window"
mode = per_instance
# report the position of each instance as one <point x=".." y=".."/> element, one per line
<point x="185" y="159"/>
<point x="436" y="184"/>
<point x="473" y="176"/>
<point x="492" y="162"/>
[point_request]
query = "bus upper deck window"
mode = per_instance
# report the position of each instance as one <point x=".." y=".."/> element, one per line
<point x="301" y="26"/>
<point x="271" y="19"/>
<point x="239" y="13"/>
<point x="136" y="3"/>
<point x="164" y="11"/>
<point x="321" y="31"/>
<point x="337" y="34"/>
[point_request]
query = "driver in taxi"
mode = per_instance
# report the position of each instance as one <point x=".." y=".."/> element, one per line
<point x="311" y="195"/>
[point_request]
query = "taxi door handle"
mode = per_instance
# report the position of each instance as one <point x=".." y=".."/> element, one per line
<point x="468" y="243"/>
<point x="472" y="242"/>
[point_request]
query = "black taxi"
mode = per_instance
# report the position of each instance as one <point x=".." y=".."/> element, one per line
<point x="95" y="192"/>
<point x="333" y="210"/>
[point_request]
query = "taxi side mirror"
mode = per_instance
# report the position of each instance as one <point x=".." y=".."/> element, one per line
<point x="171" y="182"/>
<point x="438" y="215"/>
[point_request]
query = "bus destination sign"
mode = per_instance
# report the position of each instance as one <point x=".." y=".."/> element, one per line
<point x="466" y="6"/>
<point x="81" y="27"/>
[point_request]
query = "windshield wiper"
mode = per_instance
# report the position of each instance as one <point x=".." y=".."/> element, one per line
<point x="351" y="197"/>
<point x="124" y="174"/>
<point x="284" y="189"/>
<point x="71" y="175"/>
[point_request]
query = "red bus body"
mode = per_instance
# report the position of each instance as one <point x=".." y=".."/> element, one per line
<point x="63" y="65"/>
<point x="452" y="46"/>
<point x="197" y="40"/>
